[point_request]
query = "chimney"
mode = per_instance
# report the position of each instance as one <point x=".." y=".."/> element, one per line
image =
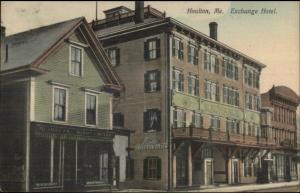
<point x="139" y="12"/>
<point x="2" y="32"/>
<point x="213" y="30"/>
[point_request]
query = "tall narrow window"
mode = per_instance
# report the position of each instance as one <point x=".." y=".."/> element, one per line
<point x="59" y="104"/>
<point x="114" y="56"/>
<point x="177" y="48"/>
<point x="91" y="106"/>
<point x="211" y="62"/>
<point x="152" y="81"/>
<point x="152" y="49"/>
<point x="215" y="122"/>
<point x="76" y="61"/>
<point x="193" y="85"/>
<point x="179" y="118"/>
<point x="192" y="55"/>
<point x="197" y="120"/>
<point x="178" y="80"/>
<point x="152" y="120"/>
<point x="211" y="91"/>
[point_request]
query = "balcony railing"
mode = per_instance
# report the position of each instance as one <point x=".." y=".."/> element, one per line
<point x="220" y="136"/>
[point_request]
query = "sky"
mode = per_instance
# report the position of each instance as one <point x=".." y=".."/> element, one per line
<point x="272" y="39"/>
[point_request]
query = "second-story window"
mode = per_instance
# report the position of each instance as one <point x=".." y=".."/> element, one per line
<point x="211" y="91"/>
<point x="179" y="118"/>
<point x="60" y="104"/>
<point x="118" y="119"/>
<point x="152" y="49"/>
<point x="76" y="61"/>
<point x="215" y="122"/>
<point x="152" y="121"/>
<point x="192" y="55"/>
<point x="197" y="120"/>
<point x="233" y="126"/>
<point x="178" y="80"/>
<point x="211" y="62"/>
<point x="177" y="48"/>
<point x="114" y="56"/>
<point x="152" y="81"/>
<point x="91" y="109"/>
<point x="231" y="96"/>
<point x="193" y="84"/>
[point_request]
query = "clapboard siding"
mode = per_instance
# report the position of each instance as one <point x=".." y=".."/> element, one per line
<point x="58" y="66"/>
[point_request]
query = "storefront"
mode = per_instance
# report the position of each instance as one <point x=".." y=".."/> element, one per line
<point x="70" y="158"/>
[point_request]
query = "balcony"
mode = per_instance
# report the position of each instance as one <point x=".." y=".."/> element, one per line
<point x="217" y="136"/>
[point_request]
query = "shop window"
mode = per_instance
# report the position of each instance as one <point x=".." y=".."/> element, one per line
<point x="152" y="168"/>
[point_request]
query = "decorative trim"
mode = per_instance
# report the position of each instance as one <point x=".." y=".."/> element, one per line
<point x="77" y="43"/>
<point x="58" y="84"/>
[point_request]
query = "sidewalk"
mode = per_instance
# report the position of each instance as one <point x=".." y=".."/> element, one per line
<point x="247" y="188"/>
<point x="223" y="188"/>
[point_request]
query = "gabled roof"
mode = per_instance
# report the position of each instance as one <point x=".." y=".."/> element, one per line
<point x="27" y="50"/>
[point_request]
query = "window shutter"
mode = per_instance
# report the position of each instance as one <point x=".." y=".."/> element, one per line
<point x="197" y="86"/>
<point x="146" y="50"/>
<point x="158" y="168"/>
<point x="217" y="93"/>
<point x="201" y="119"/>
<point x="158" y="80"/>
<point x="157" y="48"/>
<point x="175" y="120"/>
<point x="146" y="122"/>
<point x="236" y="73"/>
<point x="121" y="120"/>
<point x="196" y="56"/>
<point x="159" y="120"/>
<point x="173" y="47"/>
<point x="193" y="119"/>
<point x="118" y="56"/>
<point x="173" y="80"/>
<point x="145" y="168"/>
<point x="146" y="82"/>
<point x="184" y="119"/>
<point x="189" y="54"/>
<point x="182" y="82"/>
<point x="223" y="67"/>
<point x="217" y="66"/>
<point x="181" y="50"/>
<point x="205" y="60"/>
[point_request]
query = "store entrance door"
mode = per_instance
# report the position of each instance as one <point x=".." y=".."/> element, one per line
<point x="69" y="165"/>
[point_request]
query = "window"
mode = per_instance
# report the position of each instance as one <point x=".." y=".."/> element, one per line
<point x="247" y="167"/>
<point x="252" y="102"/>
<point x="233" y="126"/>
<point x="59" y="104"/>
<point x="197" y="120"/>
<point x="192" y="55"/>
<point x="264" y="132"/>
<point x="251" y="77"/>
<point x="152" y="120"/>
<point x="152" y="49"/>
<point x="177" y="48"/>
<point x="231" y="96"/>
<point x="152" y="168"/>
<point x="76" y="61"/>
<point x="114" y="56"/>
<point x="152" y="81"/>
<point x="215" y="122"/>
<point x="91" y="109"/>
<point x="229" y="69"/>
<point x="179" y="118"/>
<point x="211" y="62"/>
<point x="129" y="168"/>
<point x="211" y="91"/>
<point x="118" y="119"/>
<point x="178" y="80"/>
<point x="193" y="85"/>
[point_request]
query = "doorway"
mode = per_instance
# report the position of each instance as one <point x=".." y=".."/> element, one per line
<point x="235" y="171"/>
<point x="69" y="165"/>
<point x="208" y="171"/>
